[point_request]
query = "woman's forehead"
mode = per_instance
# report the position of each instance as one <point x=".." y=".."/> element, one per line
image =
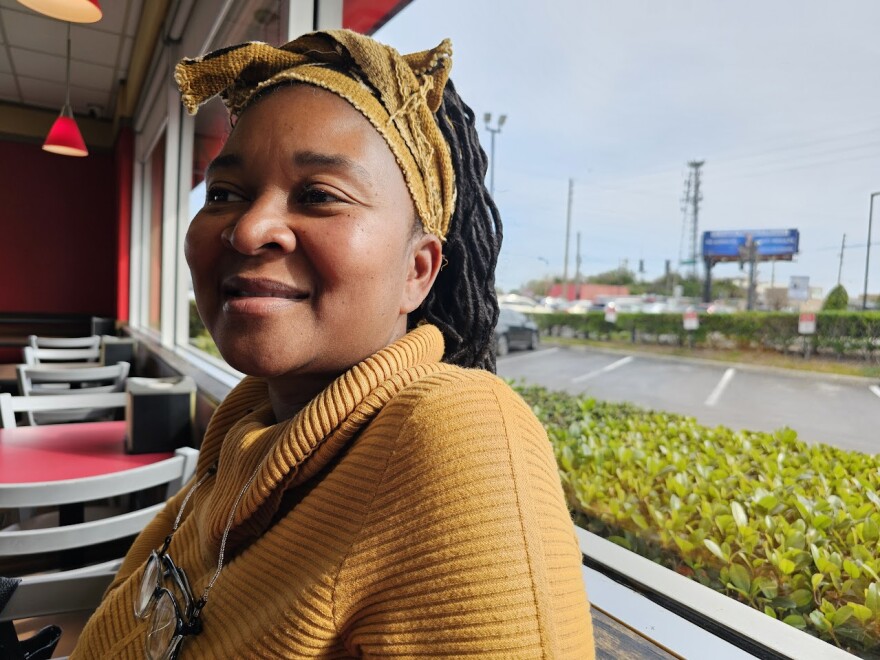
<point x="301" y="129"/>
<point x="313" y="119"/>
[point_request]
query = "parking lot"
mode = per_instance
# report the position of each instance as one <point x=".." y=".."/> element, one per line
<point x="840" y="411"/>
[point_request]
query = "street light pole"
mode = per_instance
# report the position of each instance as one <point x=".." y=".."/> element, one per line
<point x="501" y="119"/>
<point x="868" y="251"/>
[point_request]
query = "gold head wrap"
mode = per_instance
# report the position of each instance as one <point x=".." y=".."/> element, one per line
<point x="398" y="94"/>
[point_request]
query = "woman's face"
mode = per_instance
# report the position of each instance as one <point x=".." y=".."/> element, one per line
<point x="304" y="260"/>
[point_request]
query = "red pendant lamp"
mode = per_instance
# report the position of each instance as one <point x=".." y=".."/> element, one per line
<point x="72" y="11"/>
<point x="64" y="137"/>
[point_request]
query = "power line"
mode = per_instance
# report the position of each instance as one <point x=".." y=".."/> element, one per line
<point x="723" y="164"/>
<point x="722" y="158"/>
<point x="825" y="163"/>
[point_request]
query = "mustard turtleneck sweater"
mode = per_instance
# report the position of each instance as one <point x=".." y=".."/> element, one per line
<point x="411" y="509"/>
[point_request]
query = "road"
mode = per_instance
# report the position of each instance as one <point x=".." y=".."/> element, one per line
<point x="844" y="412"/>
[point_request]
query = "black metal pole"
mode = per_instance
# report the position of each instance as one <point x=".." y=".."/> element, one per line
<point x="492" y="169"/>
<point x="707" y="284"/>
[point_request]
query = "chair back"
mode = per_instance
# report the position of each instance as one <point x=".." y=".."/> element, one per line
<point x="172" y="472"/>
<point x="40" y="380"/>
<point x="92" y="341"/>
<point x="79" y="589"/>
<point x="75" y="593"/>
<point x="38" y="355"/>
<point x="57" y="403"/>
<point x="45" y="594"/>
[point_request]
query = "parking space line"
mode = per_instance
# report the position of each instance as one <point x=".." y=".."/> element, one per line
<point x="875" y="389"/>
<point x="542" y="352"/>
<point x="720" y="387"/>
<point x="603" y="370"/>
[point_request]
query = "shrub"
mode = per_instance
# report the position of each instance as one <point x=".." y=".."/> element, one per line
<point x="788" y="528"/>
<point x="844" y="333"/>
<point x="837" y="299"/>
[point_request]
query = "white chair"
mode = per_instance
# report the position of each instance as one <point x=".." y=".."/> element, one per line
<point x="10" y="405"/>
<point x="78" y="590"/>
<point x="38" y="380"/>
<point x="92" y="341"/>
<point x="40" y="350"/>
<point x="17" y="541"/>
<point x="38" y="355"/>
<point x="65" y="591"/>
<point x="71" y="596"/>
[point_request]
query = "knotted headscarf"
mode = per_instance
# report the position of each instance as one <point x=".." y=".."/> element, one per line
<point x="398" y="94"/>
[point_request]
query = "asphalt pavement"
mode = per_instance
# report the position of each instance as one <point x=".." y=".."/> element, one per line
<point x="841" y="411"/>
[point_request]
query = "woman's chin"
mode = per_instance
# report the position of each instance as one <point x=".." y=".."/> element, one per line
<point x="253" y="362"/>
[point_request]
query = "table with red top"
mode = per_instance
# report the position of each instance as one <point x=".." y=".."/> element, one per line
<point x="67" y="451"/>
<point x="54" y="452"/>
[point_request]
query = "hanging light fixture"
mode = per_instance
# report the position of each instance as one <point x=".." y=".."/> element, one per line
<point x="72" y="11"/>
<point x="64" y="137"/>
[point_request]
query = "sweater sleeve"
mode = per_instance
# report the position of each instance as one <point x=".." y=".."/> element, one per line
<point x="469" y="549"/>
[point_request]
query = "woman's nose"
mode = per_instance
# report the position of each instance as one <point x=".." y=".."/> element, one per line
<point x="261" y="228"/>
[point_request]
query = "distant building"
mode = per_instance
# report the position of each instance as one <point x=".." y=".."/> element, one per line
<point x="572" y="291"/>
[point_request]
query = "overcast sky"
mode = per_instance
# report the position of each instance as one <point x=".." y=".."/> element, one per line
<point x="781" y="98"/>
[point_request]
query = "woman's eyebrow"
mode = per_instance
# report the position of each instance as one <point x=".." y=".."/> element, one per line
<point x="334" y="162"/>
<point x="223" y="161"/>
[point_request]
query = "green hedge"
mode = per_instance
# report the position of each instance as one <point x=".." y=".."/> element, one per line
<point x="840" y="333"/>
<point x="788" y="528"/>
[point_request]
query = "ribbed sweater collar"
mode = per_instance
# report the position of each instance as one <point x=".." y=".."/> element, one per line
<point x="244" y="439"/>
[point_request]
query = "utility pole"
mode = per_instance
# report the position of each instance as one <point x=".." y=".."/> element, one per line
<point x="840" y="265"/>
<point x="749" y="253"/>
<point x="685" y="202"/>
<point x="868" y="252"/>
<point x="696" y="198"/>
<point x="567" y="235"/>
<point x="577" y="268"/>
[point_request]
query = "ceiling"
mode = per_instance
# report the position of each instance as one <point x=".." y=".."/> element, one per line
<point x="32" y="57"/>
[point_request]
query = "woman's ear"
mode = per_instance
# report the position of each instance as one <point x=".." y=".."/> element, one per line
<point x="424" y="264"/>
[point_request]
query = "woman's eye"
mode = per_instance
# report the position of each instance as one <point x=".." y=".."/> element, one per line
<point x="216" y="195"/>
<point x="312" y="195"/>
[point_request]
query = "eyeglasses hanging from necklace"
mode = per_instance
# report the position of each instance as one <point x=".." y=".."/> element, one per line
<point x="64" y="137"/>
<point x="72" y="11"/>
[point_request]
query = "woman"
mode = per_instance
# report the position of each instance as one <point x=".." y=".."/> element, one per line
<point x="371" y="489"/>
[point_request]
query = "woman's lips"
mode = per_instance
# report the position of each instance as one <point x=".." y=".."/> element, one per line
<point x="245" y="295"/>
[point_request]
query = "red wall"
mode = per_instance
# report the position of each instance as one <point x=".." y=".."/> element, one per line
<point x="58" y="231"/>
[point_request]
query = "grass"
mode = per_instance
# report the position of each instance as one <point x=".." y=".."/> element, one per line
<point x="740" y="356"/>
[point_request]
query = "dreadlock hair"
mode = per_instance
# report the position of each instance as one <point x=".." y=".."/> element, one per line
<point x="462" y="303"/>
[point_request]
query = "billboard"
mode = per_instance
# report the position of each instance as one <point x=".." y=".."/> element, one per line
<point x="771" y="244"/>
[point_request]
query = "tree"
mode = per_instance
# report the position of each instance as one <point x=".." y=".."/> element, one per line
<point x="619" y="276"/>
<point x="837" y="299"/>
<point x="540" y="287"/>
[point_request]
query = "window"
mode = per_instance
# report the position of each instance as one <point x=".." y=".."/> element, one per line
<point x="211" y="129"/>
<point x="630" y="129"/>
<point x="154" y="198"/>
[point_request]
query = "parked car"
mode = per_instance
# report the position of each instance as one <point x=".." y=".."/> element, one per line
<point x="515" y="330"/>
<point x="519" y="302"/>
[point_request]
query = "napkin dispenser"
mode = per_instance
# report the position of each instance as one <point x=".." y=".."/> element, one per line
<point x="117" y="349"/>
<point x="159" y="414"/>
